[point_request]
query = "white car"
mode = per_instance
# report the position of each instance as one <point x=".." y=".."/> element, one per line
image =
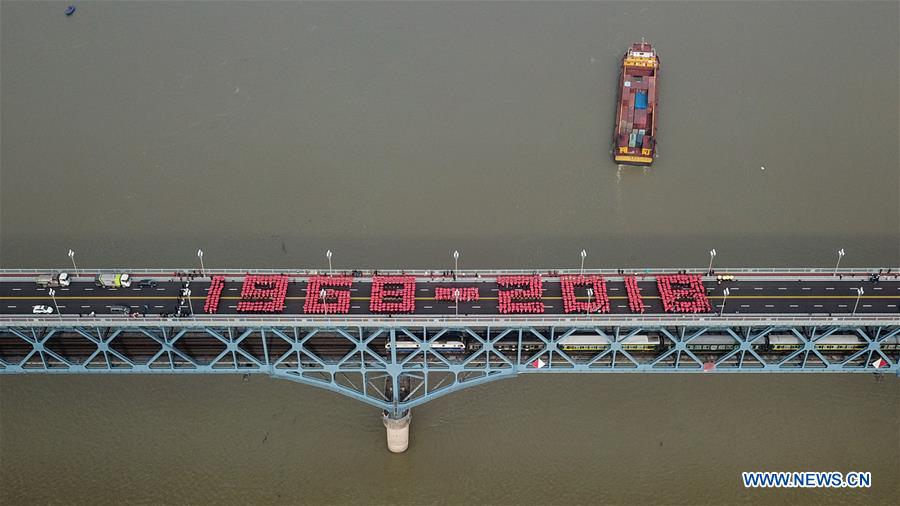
<point x="41" y="310"/>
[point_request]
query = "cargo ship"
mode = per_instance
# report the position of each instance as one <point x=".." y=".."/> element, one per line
<point x="634" y="140"/>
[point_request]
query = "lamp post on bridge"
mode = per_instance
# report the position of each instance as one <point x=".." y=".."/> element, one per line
<point x="328" y="256"/>
<point x="712" y="254"/>
<point x="583" y="254"/>
<point x="200" y="256"/>
<point x="725" y="292"/>
<point x="455" y="263"/>
<point x="53" y="296"/>
<point x="72" y="257"/>
<point x="859" y="294"/>
<point x="840" y="256"/>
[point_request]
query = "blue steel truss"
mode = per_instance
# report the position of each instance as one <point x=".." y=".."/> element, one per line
<point x="399" y="365"/>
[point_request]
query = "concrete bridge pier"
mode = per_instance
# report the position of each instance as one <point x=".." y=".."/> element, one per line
<point x="397" y="425"/>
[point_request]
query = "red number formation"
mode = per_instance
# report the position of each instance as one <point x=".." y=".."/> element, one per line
<point x="337" y="295"/>
<point x="635" y="302"/>
<point x="683" y="293"/>
<point x="597" y="302"/>
<point x="516" y="290"/>
<point x="214" y="294"/>
<point x="263" y="294"/>
<point x="393" y="294"/>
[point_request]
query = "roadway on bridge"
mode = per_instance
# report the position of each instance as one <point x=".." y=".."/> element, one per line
<point x="747" y="296"/>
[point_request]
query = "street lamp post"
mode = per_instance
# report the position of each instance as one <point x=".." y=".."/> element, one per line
<point x="328" y="256"/>
<point x="840" y="256"/>
<point x="455" y="262"/>
<point x="712" y="254"/>
<point x="200" y="256"/>
<point x="725" y="292"/>
<point x="583" y="254"/>
<point x="187" y="294"/>
<point x="72" y="257"/>
<point x="456" y="296"/>
<point x="53" y="296"/>
<point x="859" y="294"/>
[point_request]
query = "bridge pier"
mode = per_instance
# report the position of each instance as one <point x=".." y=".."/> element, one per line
<point x="397" y="425"/>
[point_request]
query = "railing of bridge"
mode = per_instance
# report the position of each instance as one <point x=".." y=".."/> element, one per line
<point x="461" y="273"/>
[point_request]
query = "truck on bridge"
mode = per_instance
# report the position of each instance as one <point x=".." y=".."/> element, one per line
<point x="113" y="280"/>
<point x="53" y="280"/>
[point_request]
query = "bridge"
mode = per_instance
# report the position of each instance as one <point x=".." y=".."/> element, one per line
<point x="397" y="339"/>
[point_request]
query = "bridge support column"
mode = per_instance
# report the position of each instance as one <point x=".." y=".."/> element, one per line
<point x="397" y="425"/>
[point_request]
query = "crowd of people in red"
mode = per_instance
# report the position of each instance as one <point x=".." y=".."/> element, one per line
<point x="263" y="294"/>
<point x="393" y="294"/>
<point x="466" y="294"/>
<point x="337" y="295"/>
<point x="597" y="301"/>
<point x="635" y="301"/>
<point x="511" y="299"/>
<point x="215" y="293"/>
<point x="683" y="293"/>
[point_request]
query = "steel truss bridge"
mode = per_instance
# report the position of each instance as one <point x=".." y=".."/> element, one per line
<point x="397" y="364"/>
<point x="400" y="361"/>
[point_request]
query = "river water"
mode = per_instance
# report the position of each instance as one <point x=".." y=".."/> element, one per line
<point x="394" y="133"/>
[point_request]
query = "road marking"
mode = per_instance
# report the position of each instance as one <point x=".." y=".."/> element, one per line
<point x="88" y="289"/>
<point x="842" y="305"/>
<point x="232" y="289"/>
<point x="621" y="307"/>
<point x="423" y="289"/>
<point x="864" y="305"/>
<point x="427" y="307"/>
<point x="11" y="306"/>
<point x="829" y="288"/>
<point x="476" y="307"/>
<point x="232" y="307"/>
<point x="614" y="289"/>
<point x="782" y="288"/>
<point x="158" y="307"/>
<point x="742" y="305"/>
<point x="818" y="305"/>
<point x="769" y="305"/>
<point x="549" y="307"/>
<point x="354" y="289"/>
<point x="64" y="289"/>
<point x="160" y="289"/>
<point x="85" y="307"/>
<point x="806" y="288"/>
<point x="16" y="289"/>
<point x="794" y="305"/>
<point x="354" y="307"/>
<point x="892" y="305"/>
<point x="757" y="288"/>
<point x="877" y="288"/>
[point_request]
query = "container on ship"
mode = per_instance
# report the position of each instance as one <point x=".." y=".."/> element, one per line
<point x="634" y="140"/>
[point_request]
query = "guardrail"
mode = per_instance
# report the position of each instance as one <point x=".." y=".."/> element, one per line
<point x="461" y="272"/>
<point x="445" y="321"/>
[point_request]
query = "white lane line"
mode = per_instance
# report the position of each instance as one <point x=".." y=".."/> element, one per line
<point x="614" y="289"/>
<point x="232" y="307"/>
<point x="864" y="305"/>
<point x="497" y="290"/>
<point x="745" y="305"/>
<point x="829" y="288"/>
<point x="158" y="307"/>
<point x="16" y="289"/>
<point x="354" y="307"/>
<point x="160" y="289"/>
<point x="757" y="288"/>
<point x="818" y="305"/>
<point x="65" y="289"/>
<point x="85" y="307"/>
<point x="549" y="307"/>
<point x="621" y="307"/>
<point x="769" y="305"/>
<point x="427" y="307"/>
<point x="877" y="288"/>
<point x="735" y="288"/>
<point x="476" y="307"/>
<point x="423" y="289"/>
<point x="354" y="289"/>
<point x="65" y="306"/>
<point x="806" y="288"/>
<point x="89" y="289"/>
<point x="794" y="305"/>
<point x="892" y="305"/>
<point x="232" y="289"/>
<point x="782" y="288"/>
<point x="842" y="305"/>
<point x="11" y="306"/>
